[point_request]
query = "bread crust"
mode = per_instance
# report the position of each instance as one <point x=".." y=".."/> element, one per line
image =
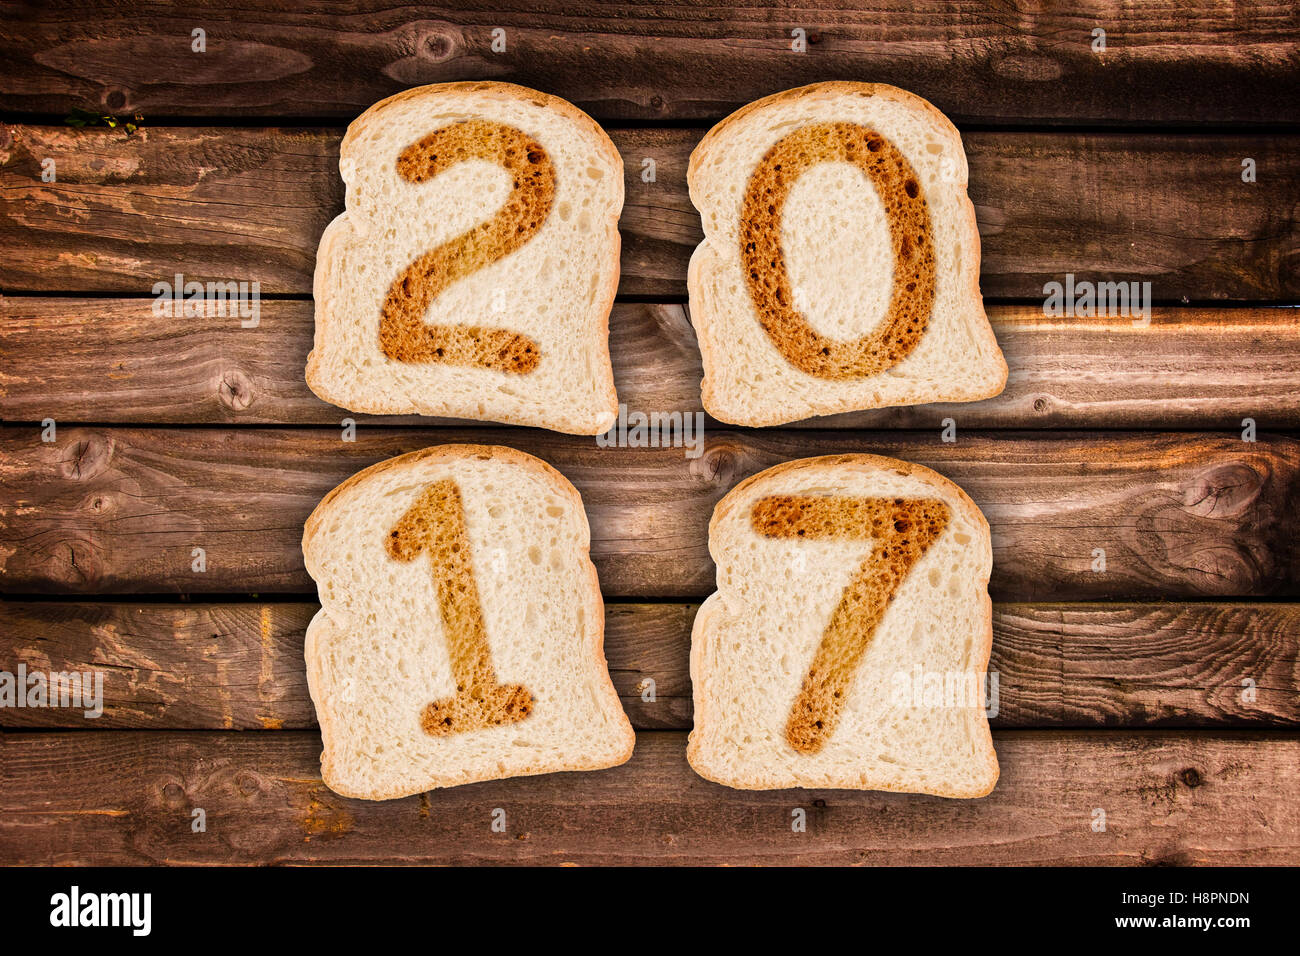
<point x="725" y="510"/>
<point x="327" y="259"/>
<point x="713" y="351"/>
<point x="594" y="610"/>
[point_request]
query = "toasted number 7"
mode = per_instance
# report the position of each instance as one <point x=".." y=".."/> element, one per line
<point x="436" y="524"/>
<point x="403" y="333"/>
<point x="902" y="529"/>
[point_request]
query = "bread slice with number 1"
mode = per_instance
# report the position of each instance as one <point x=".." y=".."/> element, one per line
<point x="461" y="629"/>
<point x="473" y="270"/>
<point x="847" y="642"/>
<point x="840" y="264"/>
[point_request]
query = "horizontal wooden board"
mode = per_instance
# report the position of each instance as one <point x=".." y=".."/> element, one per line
<point x="112" y="360"/>
<point x="127" y="797"/>
<point x="250" y="204"/>
<point x="1177" y="515"/>
<point x="240" y="666"/>
<point x="1209" y="60"/>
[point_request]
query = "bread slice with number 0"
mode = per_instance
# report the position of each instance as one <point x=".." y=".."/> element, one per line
<point x="847" y="642"/>
<point x="461" y="629"/>
<point x="840" y="263"/>
<point x="473" y="271"/>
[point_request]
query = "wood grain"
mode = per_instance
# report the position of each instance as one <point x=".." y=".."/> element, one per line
<point x="250" y="204"/>
<point x="1204" y="61"/>
<point x="126" y="797"/>
<point x="240" y="666"/>
<point x="1178" y="515"/>
<point x="113" y="361"/>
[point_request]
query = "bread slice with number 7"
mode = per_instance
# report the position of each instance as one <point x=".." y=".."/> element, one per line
<point x="474" y="268"/>
<point x="461" y="629"/>
<point x="847" y="643"/>
<point x="840" y="264"/>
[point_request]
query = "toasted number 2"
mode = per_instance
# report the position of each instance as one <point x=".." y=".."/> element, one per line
<point x="902" y="529"/>
<point x="436" y="524"/>
<point x="403" y="334"/>
<point x="768" y="279"/>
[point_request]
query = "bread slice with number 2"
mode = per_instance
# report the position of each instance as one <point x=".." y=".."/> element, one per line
<point x="848" y="639"/>
<point x="840" y="264"/>
<point x="473" y="270"/>
<point x="461" y="629"/>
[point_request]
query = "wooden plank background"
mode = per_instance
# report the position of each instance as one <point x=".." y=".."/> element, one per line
<point x="112" y="361"/>
<point x="1178" y="515"/>
<point x="251" y="204"/>
<point x="226" y="666"/>
<point x="1165" y="62"/>
<point x="1170" y="799"/>
<point x="1164" y="690"/>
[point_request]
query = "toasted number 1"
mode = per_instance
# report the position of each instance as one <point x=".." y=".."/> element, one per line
<point x="768" y="279"/>
<point x="436" y="524"/>
<point x="902" y="529"/>
<point x="403" y="333"/>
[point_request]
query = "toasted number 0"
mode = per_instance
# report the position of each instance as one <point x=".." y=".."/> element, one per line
<point x="436" y="524"/>
<point x="902" y="529"/>
<point x="766" y="274"/>
<point x="403" y="333"/>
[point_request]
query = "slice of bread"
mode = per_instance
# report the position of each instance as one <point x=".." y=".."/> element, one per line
<point x="848" y="639"/>
<point x="473" y="271"/>
<point x="840" y="263"/>
<point x="461" y="629"/>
